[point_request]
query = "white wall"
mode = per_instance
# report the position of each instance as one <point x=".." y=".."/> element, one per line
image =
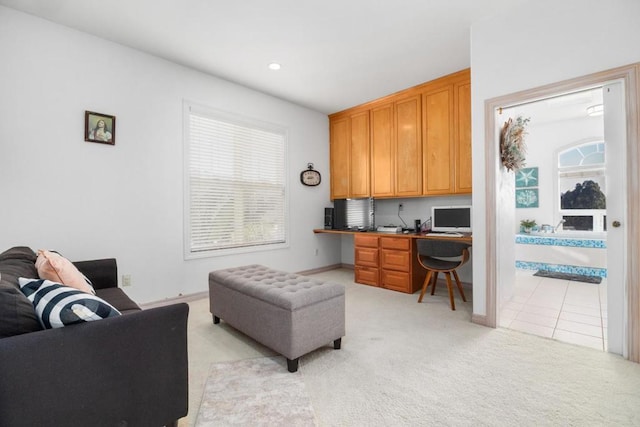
<point x="530" y="45"/>
<point x="91" y="200"/>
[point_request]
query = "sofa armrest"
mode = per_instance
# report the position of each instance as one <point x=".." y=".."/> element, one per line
<point x="122" y="371"/>
<point x="103" y="273"/>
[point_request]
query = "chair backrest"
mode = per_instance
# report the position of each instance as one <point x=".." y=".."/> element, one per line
<point x="441" y="248"/>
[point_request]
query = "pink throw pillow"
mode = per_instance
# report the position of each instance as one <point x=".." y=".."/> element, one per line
<point x="55" y="267"/>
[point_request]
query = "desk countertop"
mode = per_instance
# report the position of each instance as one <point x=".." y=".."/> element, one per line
<point x="466" y="237"/>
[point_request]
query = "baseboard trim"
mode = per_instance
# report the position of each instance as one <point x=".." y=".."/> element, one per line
<point x="480" y="319"/>
<point x="205" y="294"/>
<point x="175" y="300"/>
<point x="323" y="269"/>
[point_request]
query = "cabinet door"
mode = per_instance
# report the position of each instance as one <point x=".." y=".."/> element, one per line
<point x="397" y="243"/>
<point x="359" y="156"/>
<point x="396" y="280"/>
<point x="382" y="151"/>
<point x="395" y="260"/>
<point x="408" y="150"/>
<point x="340" y="136"/>
<point x="437" y="146"/>
<point x="463" y="137"/>
<point x="366" y="257"/>
<point x="366" y="240"/>
<point x="367" y="276"/>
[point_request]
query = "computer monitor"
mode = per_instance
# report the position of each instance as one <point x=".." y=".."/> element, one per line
<point x="451" y="219"/>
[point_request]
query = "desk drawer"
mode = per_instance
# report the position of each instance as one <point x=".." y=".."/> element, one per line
<point x="396" y="260"/>
<point x="396" y="280"/>
<point x="366" y="240"/>
<point x="367" y="276"/>
<point x="398" y="243"/>
<point x="366" y="257"/>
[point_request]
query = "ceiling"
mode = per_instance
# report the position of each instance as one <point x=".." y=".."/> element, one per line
<point x="334" y="53"/>
<point x="563" y="107"/>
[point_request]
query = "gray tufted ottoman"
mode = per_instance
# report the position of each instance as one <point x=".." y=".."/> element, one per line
<point x="289" y="313"/>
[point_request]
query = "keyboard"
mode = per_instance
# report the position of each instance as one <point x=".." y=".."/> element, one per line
<point x="445" y="234"/>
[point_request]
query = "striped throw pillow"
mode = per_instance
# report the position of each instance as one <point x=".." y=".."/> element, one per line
<point x="57" y="305"/>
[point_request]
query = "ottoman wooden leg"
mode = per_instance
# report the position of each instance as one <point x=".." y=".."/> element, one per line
<point x="292" y="365"/>
<point x="337" y="343"/>
<point x="216" y="320"/>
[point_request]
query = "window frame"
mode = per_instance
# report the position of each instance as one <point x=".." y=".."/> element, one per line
<point x="598" y="215"/>
<point x="239" y="120"/>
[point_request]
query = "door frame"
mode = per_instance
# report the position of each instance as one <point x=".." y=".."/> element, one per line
<point x="630" y="74"/>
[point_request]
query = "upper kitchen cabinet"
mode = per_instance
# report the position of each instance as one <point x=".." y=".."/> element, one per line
<point x="462" y="139"/>
<point x="396" y="149"/>
<point x="437" y="143"/>
<point x="360" y="172"/>
<point x="446" y="121"/>
<point x="383" y="151"/>
<point x="408" y="148"/>
<point x="413" y="143"/>
<point x="349" y="155"/>
<point x="339" y="153"/>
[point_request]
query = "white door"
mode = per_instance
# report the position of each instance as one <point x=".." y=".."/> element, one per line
<point x="616" y="141"/>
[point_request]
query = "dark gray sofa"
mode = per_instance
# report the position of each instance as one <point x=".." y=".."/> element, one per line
<point x="129" y="370"/>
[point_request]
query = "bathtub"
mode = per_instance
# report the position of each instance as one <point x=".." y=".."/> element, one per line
<point x="566" y="252"/>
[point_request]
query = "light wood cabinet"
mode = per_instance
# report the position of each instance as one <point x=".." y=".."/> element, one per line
<point x="387" y="262"/>
<point x="408" y="147"/>
<point x="396" y="149"/>
<point x="349" y="156"/>
<point x="399" y="269"/>
<point x="359" y="156"/>
<point x="410" y="144"/>
<point x="366" y="259"/>
<point x="463" y="137"/>
<point x="437" y="143"/>
<point x="382" y="151"/>
<point x="339" y="153"/>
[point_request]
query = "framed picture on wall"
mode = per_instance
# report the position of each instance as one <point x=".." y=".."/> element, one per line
<point x="527" y="198"/>
<point x="527" y="177"/>
<point x="99" y="127"/>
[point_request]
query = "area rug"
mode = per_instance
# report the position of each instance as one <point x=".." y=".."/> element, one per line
<point x="568" y="276"/>
<point x="256" y="392"/>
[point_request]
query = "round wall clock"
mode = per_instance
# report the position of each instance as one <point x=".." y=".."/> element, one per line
<point x="310" y="177"/>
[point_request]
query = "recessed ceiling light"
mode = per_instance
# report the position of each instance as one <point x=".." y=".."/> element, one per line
<point x="274" y="66"/>
<point x="595" y="110"/>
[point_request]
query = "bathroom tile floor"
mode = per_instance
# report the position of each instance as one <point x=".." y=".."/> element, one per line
<point x="573" y="312"/>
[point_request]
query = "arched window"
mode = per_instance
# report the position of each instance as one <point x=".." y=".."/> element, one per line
<point x="581" y="187"/>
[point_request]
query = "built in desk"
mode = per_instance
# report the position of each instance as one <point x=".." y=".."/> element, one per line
<point x="390" y="260"/>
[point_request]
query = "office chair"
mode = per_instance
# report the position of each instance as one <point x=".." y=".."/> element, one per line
<point x="430" y="252"/>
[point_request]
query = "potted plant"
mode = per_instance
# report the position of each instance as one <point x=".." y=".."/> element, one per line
<point x="527" y="225"/>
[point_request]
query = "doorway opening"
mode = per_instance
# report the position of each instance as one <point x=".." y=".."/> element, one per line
<point x="559" y="288"/>
<point x="624" y="337"/>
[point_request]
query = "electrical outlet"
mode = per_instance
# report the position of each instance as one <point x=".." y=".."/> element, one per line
<point x="126" y="280"/>
<point x="400" y="207"/>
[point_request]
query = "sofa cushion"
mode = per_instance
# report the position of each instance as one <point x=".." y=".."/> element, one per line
<point x="117" y="298"/>
<point x="17" y="315"/>
<point x="17" y="262"/>
<point x="57" y="305"/>
<point x="56" y="268"/>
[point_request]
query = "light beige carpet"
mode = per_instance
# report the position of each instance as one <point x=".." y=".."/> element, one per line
<point x="409" y="364"/>
<point x="254" y="392"/>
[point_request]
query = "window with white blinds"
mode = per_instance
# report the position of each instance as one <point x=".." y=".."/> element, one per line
<point x="235" y="183"/>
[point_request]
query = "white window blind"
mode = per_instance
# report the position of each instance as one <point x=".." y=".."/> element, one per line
<point x="235" y="183"/>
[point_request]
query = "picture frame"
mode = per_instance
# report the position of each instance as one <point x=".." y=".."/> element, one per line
<point x="100" y="128"/>
<point x="526" y="177"/>
<point x="527" y="198"/>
